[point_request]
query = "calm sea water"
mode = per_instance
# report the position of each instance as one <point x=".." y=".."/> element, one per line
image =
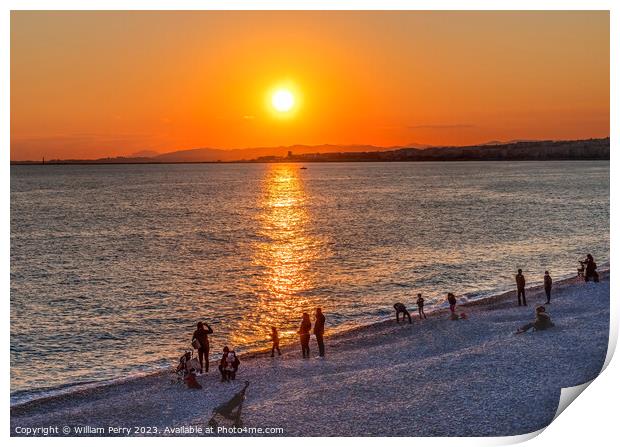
<point x="112" y="266"/>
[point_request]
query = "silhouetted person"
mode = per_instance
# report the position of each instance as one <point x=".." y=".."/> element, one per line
<point x="201" y="334"/>
<point x="590" y="269"/>
<point x="275" y="340"/>
<point x="229" y="364"/>
<point x="542" y="322"/>
<point x="548" y="282"/>
<point x="232" y="365"/>
<point x="222" y="365"/>
<point x="319" y="329"/>
<point x="452" y="303"/>
<point x="420" y="303"/>
<point x="304" y="335"/>
<point x="520" y="287"/>
<point x="401" y="309"/>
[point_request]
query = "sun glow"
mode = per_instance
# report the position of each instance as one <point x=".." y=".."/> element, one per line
<point x="283" y="100"/>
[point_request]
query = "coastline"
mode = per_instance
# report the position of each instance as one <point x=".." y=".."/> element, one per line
<point x="533" y="150"/>
<point x="166" y="404"/>
<point x="485" y="299"/>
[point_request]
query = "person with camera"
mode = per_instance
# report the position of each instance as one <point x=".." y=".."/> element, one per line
<point x="200" y="341"/>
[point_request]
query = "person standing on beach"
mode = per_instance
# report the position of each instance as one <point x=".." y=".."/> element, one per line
<point x="304" y="335"/>
<point x="200" y="340"/>
<point x="452" y="303"/>
<point x="590" y="268"/>
<point x="319" y="329"/>
<point x="401" y="309"/>
<point x="420" y="303"/>
<point x="520" y="287"/>
<point x="275" y="339"/>
<point x="548" y="282"/>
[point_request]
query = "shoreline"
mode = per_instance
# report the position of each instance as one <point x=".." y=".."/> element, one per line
<point x="288" y="344"/>
<point x="489" y="303"/>
<point x="383" y="379"/>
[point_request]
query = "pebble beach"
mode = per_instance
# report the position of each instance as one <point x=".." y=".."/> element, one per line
<point x="437" y="377"/>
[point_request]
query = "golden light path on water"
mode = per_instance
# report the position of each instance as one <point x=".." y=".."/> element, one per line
<point x="284" y="254"/>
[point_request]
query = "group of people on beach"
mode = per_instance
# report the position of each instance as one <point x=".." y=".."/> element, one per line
<point x="520" y="280"/>
<point x="229" y="362"/>
<point x="318" y="331"/>
<point x="542" y="320"/>
<point x="305" y="328"/>
<point x="400" y="308"/>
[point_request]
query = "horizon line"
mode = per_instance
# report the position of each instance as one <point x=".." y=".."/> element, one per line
<point x="394" y="147"/>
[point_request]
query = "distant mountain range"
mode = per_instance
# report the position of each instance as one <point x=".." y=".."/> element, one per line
<point x="207" y="154"/>
<point x="513" y="150"/>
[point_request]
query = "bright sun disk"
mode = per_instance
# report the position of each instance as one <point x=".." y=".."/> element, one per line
<point x="283" y="100"/>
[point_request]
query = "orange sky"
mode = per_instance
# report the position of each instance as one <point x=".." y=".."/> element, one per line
<point x="93" y="84"/>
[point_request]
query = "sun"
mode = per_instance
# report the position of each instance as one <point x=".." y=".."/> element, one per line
<point x="283" y="100"/>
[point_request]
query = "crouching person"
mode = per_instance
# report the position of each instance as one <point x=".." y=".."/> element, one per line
<point x="542" y="321"/>
<point x="401" y="309"/>
<point x="229" y="364"/>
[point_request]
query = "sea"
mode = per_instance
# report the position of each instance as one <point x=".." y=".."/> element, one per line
<point x="112" y="266"/>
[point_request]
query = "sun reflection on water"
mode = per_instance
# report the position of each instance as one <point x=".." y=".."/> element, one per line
<point x="283" y="254"/>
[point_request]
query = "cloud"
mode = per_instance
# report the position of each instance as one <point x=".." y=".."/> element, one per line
<point x="248" y="117"/>
<point x="442" y="126"/>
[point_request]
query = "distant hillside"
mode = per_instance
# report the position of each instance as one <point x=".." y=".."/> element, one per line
<point x="207" y="154"/>
<point x="593" y="149"/>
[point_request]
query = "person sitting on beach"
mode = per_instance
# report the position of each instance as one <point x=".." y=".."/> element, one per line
<point x="400" y="308"/>
<point x="225" y="372"/>
<point x="187" y="370"/>
<point x="275" y="340"/>
<point x="231" y="365"/>
<point x="542" y="322"/>
<point x="590" y="269"/>
<point x="304" y="335"/>
<point x="548" y="282"/>
<point x="319" y="329"/>
<point x="191" y="381"/>
<point x="420" y="303"/>
<point x="520" y="279"/>
<point x="452" y="303"/>
<point x="200" y="340"/>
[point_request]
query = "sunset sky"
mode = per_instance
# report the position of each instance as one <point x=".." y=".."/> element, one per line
<point x="94" y="84"/>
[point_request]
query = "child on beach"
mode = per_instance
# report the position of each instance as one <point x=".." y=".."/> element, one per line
<point x="520" y="280"/>
<point x="420" y="303"/>
<point x="452" y="303"/>
<point x="548" y="282"/>
<point x="275" y="339"/>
